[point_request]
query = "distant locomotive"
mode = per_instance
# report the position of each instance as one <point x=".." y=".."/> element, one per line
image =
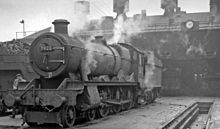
<point x="79" y="79"/>
<point x="12" y="64"/>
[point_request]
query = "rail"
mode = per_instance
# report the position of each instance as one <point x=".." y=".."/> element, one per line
<point x="189" y="114"/>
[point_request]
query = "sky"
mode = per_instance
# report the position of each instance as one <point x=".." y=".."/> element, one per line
<point x="38" y="14"/>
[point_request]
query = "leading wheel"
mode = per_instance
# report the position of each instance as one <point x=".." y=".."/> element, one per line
<point x="68" y="115"/>
<point x="90" y="114"/>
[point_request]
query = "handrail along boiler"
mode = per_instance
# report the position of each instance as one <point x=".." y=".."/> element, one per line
<point x="79" y="79"/>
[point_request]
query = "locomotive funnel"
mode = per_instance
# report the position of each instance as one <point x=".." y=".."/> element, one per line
<point x="61" y="26"/>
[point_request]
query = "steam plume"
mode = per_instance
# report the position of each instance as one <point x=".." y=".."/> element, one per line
<point x="79" y="19"/>
<point x="149" y="72"/>
<point x="124" y="29"/>
<point x="90" y="61"/>
<point x="197" y="49"/>
<point x="184" y="38"/>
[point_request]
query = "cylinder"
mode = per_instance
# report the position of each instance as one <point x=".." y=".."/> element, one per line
<point x="10" y="100"/>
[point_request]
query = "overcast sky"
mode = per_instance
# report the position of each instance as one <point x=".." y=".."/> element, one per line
<point x="38" y="14"/>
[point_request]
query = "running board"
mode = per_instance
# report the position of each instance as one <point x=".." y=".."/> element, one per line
<point x="114" y="102"/>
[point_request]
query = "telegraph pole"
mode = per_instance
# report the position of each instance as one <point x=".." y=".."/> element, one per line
<point x="22" y="22"/>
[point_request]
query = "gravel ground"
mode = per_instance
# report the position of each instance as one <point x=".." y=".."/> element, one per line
<point x="146" y="117"/>
<point x="215" y="115"/>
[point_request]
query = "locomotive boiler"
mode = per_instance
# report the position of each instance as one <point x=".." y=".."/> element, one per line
<point x="83" y="79"/>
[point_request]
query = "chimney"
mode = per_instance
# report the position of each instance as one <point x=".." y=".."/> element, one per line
<point x="143" y="13"/>
<point x="137" y="16"/>
<point x="61" y="26"/>
<point x="178" y="10"/>
<point x="121" y="7"/>
<point x="82" y="7"/>
<point x="214" y="7"/>
<point x="169" y="7"/>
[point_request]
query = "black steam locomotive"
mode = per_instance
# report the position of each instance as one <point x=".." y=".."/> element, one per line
<point x="84" y="79"/>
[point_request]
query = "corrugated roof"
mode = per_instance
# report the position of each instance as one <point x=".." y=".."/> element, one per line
<point x="28" y="39"/>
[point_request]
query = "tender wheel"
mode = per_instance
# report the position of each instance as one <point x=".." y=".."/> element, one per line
<point x="117" y="95"/>
<point x="90" y="114"/>
<point x="142" y="100"/>
<point x="148" y="97"/>
<point x="116" y="108"/>
<point x="156" y="94"/>
<point x="68" y="116"/>
<point x="153" y="96"/>
<point x="129" y="97"/>
<point x="103" y="111"/>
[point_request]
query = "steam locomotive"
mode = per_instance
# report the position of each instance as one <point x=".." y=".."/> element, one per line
<point x="84" y="79"/>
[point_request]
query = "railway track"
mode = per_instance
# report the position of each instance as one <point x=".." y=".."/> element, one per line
<point x="196" y="116"/>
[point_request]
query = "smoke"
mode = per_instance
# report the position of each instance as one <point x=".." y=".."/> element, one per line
<point x="119" y="31"/>
<point x="149" y="70"/>
<point x="159" y="47"/>
<point x="193" y="46"/>
<point x="79" y="19"/>
<point x="182" y="44"/>
<point x="124" y="29"/>
<point x="163" y="41"/>
<point x="196" y="49"/>
<point x="184" y="39"/>
<point x="90" y="61"/>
